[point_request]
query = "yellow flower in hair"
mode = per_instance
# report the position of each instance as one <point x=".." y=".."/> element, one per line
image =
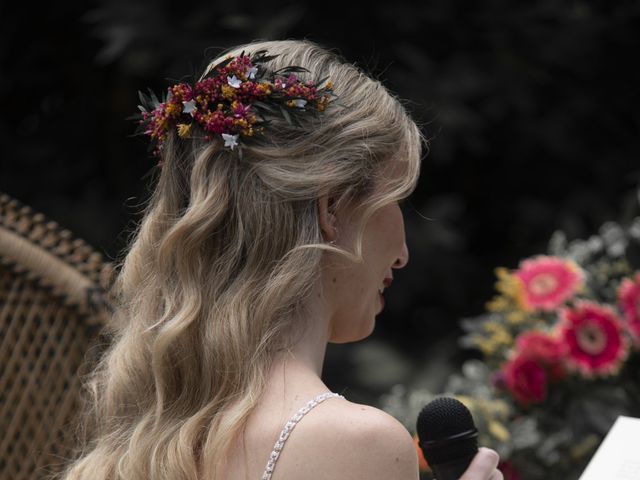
<point x="184" y="130"/>
<point x="240" y="122"/>
<point x="173" y="109"/>
<point x="322" y="103"/>
<point x="228" y="92"/>
<point x="263" y="89"/>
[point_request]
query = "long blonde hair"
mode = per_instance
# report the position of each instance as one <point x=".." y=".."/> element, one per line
<point x="218" y="271"/>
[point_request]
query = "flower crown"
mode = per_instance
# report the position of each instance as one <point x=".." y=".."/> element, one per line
<point x="234" y="100"/>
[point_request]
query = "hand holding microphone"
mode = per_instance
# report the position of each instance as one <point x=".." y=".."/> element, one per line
<point x="449" y="440"/>
<point x="484" y="466"/>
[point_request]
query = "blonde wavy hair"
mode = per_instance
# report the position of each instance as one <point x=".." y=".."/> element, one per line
<point x="218" y="271"/>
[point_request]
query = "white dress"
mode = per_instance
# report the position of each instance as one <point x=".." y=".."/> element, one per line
<point x="277" y="448"/>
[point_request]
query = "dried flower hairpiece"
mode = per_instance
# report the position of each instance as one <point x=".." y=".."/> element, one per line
<point x="233" y="101"/>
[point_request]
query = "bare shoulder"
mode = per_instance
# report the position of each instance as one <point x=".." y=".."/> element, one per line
<point x="346" y="440"/>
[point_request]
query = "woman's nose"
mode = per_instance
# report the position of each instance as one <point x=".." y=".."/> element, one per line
<point x="402" y="260"/>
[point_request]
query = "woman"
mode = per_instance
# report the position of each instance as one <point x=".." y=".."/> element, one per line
<point x="273" y="229"/>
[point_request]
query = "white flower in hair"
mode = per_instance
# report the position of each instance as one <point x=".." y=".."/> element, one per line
<point x="252" y="73"/>
<point x="234" y="81"/>
<point x="300" y="102"/>
<point x="230" y="140"/>
<point x="189" y="107"/>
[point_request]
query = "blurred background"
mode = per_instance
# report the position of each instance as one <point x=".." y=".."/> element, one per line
<point x="531" y="109"/>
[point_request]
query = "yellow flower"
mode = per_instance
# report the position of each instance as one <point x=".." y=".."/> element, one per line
<point x="502" y="273"/>
<point x="498" y="430"/>
<point x="184" y="130"/>
<point x="488" y="346"/>
<point x="492" y="327"/>
<point x="467" y="401"/>
<point x="173" y="109"/>
<point x="263" y="89"/>
<point x="228" y="92"/>
<point x="516" y="317"/>
<point x="498" y="408"/>
<point x="585" y="447"/>
<point x="497" y="304"/>
<point x="321" y="103"/>
<point x="498" y="336"/>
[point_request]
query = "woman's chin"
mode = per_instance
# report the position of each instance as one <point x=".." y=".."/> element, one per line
<point x="353" y="336"/>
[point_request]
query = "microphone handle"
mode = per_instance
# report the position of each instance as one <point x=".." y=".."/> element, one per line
<point x="451" y="470"/>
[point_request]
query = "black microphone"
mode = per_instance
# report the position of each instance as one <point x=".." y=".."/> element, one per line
<point x="448" y="437"/>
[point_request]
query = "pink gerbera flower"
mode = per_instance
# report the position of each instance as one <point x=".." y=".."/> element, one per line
<point x="629" y="300"/>
<point x="594" y="336"/>
<point x="547" y="282"/>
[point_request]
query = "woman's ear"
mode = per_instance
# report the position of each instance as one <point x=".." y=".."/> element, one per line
<point x="326" y="219"/>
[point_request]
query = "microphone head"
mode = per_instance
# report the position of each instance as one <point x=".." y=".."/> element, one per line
<point x="446" y="431"/>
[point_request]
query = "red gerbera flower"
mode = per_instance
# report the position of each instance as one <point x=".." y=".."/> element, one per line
<point x="629" y="300"/>
<point x="525" y="379"/>
<point x="548" y="350"/>
<point x="508" y="470"/>
<point x="547" y="282"/>
<point x="540" y="346"/>
<point x="594" y="335"/>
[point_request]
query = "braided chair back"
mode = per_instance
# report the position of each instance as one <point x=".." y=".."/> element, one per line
<point x="53" y="301"/>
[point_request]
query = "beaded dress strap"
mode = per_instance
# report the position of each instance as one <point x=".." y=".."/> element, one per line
<point x="286" y="431"/>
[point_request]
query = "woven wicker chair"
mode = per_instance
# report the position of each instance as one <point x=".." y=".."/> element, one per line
<point x="53" y="301"/>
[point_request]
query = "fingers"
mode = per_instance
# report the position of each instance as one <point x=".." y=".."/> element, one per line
<point x="497" y="475"/>
<point x="483" y="466"/>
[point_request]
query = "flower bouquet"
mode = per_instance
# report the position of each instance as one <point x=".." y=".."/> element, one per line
<point x="560" y="345"/>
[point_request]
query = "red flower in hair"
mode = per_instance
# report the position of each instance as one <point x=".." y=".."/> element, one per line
<point x="233" y="101"/>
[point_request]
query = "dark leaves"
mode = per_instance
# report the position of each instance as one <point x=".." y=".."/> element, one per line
<point x="286" y="115"/>
<point x="291" y="69"/>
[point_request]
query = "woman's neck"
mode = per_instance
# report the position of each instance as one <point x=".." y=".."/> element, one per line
<point x="302" y="363"/>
